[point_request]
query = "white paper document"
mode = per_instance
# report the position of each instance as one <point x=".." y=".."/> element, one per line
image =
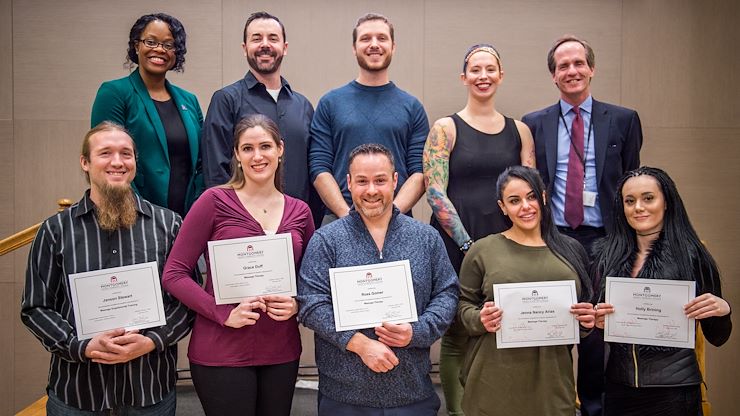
<point x="649" y="312"/>
<point x="252" y="266"/>
<point x="127" y="297"/>
<point x="367" y="296"/>
<point x="536" y="314"/>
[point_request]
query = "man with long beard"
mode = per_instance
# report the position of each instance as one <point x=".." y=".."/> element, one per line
<point x="263" y="91"/>
<point x="110" y="226"/>
<point x="381" y="370"/>
<point x="369" y="109"/>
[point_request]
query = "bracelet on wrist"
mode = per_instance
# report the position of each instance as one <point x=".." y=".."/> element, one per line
<point x="466" y="246"/>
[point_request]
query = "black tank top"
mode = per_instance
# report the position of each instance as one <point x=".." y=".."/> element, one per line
<point x="475" y="163"/>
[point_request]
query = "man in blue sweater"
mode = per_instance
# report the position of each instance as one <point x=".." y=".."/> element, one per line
<point x="369" y="371"/>
<point x="370" y="109"/>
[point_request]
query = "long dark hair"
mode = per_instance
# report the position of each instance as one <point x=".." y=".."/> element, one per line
<point x="254" y="120"/>
<point x="565" y="248"/>
<point x="677" y="236"/>
<point x="178" y="33"/>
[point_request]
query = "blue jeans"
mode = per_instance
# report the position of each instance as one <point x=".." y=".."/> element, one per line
<point x="56" y="407"/>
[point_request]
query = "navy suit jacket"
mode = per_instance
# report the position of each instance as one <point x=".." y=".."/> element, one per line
<point x="617" y="142"/>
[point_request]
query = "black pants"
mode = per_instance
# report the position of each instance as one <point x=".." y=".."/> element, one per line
<point x="246" y="391"/>
<point x="591" y="349"/>
<point x="653" y="401"/>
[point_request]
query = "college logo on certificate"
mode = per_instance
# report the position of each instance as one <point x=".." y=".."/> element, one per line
<point x="649" y="312"/>
<point x="536" y="314"/>
<point x="367" y="296"/>
<point x="127" y="297"/>
<point x="252" y="266"/>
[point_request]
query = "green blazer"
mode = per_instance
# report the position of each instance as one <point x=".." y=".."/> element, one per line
<point x="126" y="101"/>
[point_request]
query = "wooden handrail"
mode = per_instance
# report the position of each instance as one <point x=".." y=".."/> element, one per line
<point x="37" y="408"/>
<point x="24" y="237"/>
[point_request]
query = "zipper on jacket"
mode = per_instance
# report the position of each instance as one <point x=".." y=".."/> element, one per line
<point x="380" y="253"/>
<point x="634" y="359"/>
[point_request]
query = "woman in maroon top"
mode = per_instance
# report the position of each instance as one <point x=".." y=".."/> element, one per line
<point x="243" y="357"/>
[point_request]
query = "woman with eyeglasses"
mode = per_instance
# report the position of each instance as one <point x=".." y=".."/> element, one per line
<point x="164" y="120"/>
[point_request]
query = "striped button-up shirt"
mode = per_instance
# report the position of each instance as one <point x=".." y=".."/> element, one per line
<point x="71" y="242"/>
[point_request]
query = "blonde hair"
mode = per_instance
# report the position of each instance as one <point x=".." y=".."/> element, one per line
<point x="102" y="126"/>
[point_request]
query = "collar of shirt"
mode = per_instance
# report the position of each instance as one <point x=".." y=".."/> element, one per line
<point x="252" y="82"/>
<point x="356" y="219"/>
<point x="586" y="106"/>
<point x="86" y="205"/>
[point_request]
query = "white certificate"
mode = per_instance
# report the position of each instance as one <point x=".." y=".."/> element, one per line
<point x="649" y="312"/>
<point x="127" y="297"/>
<point x="536" y="314"/>
<point x="367" y="296"/>
<point x="252" y="266"/>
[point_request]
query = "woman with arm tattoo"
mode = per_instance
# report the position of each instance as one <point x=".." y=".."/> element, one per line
<point x="463" y="156"/>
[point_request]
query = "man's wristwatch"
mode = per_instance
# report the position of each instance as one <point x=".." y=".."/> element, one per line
<point x="466" y="246"/>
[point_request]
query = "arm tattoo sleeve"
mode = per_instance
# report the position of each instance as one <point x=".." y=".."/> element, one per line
<point x="436" y="177"/>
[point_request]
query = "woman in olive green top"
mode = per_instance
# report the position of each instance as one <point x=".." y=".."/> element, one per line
<point x="531" y="380"/>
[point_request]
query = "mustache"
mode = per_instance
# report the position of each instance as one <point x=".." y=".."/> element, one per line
<point x="265" y="51"/>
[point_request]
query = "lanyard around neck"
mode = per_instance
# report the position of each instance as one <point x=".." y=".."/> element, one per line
<point x="581" y="157"/>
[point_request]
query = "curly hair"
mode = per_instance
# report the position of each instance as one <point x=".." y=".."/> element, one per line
<point x="178" y="32"/>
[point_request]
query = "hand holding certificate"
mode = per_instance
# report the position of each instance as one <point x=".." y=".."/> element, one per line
<point x="121" y="297"/>
<point x="252" y="266"/>
<point x="649" y="312"/>
<point x="536" y="314"/>
<point x="367" y="296"/>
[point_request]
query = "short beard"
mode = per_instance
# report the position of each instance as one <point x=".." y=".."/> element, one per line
<point x="117" y="208"/>
<point x="383" y="66"/>
<point x="265" y="70"/>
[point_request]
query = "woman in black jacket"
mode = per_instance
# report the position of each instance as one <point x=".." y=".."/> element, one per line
<point x="653" y="238"/>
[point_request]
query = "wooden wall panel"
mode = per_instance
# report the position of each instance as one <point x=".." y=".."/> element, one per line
<point x="30" y="359"/>
<point x="522" y="32"/>
<point x="8" y="305"/>
<point x="47" y="161"/>
<point x="680" y="62"/>
<point x="7" y="164"/>
<point x="673" y="61"/>
<point x="6" y="59"/>
<point x="320" y="42"/>
<point x="70" y="48"/>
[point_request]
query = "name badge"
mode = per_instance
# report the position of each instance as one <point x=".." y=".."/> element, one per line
<point x="589" y="199"/>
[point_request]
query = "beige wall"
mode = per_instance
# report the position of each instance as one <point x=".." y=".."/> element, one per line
<point x="676" y="62"/>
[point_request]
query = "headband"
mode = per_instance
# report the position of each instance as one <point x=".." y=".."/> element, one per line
<point x="487" y="49"/>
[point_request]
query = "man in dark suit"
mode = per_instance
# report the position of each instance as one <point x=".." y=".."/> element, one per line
<point x="583" y="147"/>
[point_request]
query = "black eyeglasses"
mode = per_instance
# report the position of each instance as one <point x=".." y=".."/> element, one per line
<point x="151" y="44"/>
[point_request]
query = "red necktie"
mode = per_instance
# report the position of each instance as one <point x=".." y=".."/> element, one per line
<point x="574" y="183"/>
